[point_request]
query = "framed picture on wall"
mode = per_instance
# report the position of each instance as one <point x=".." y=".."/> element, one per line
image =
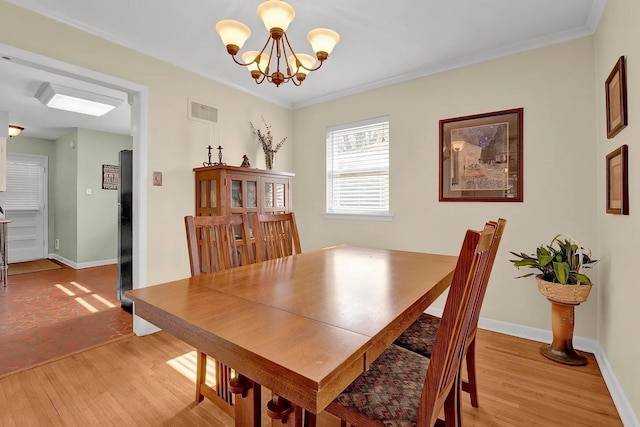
<point x="481" y="157"/>
<point x="617" y="182"/>
<point x="110" y="177"/>
<point x="616" y="96"/>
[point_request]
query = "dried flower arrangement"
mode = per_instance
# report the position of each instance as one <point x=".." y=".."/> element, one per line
<point x="266" y="140"/>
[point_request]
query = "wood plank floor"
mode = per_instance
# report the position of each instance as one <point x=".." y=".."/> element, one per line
<point x="148" y="381"/>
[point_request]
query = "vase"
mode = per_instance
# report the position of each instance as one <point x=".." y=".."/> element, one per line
<point x="270" y="159"/>
<point x="563" y="300"/>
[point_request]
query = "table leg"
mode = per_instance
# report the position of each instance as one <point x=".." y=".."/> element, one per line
<point x="285" y="413"/>
<point x="248" y="401"/>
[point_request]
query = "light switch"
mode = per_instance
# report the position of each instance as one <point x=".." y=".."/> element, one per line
<point x="89" y="191"/>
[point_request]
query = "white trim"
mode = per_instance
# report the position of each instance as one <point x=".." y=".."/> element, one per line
<point x="80" y="266"/>
<point x="139" y="100"/>
<point x="625" y="410"/>
<point x="357" y="216"/>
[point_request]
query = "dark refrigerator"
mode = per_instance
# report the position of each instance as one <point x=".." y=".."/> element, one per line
<point x="125" y="229"/>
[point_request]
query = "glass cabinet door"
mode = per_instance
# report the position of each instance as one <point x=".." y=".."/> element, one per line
<point x="268" y="195"/>
<point x="236" y="193"/>
<point x="252" y="194"/>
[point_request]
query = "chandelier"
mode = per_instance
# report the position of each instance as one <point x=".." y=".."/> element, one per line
<point x="276" y="16"/>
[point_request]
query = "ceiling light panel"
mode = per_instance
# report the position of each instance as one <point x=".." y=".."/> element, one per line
<point x="76" y="100"/>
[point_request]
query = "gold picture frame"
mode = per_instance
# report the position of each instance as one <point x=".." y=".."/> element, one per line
<point x="616" y="96"/>
<point x="617" y="182"/>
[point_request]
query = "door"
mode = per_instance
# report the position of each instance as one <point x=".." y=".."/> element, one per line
<point x="25" y="204"/>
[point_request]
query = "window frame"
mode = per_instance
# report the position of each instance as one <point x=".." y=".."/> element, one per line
<point x="359" y="213"/>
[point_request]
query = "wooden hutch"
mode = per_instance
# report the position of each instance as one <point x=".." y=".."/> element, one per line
<point x="226" y="190"/>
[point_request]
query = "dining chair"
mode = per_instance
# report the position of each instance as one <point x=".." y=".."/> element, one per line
<point x="420" y="336"/>
<point x="216" y="243"/>
<point x="404" y="388"/>
<point x="276" y="236"/>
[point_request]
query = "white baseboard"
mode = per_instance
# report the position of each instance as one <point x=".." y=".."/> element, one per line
<point x="79" y="266"/>
<point x="625" y="410"/>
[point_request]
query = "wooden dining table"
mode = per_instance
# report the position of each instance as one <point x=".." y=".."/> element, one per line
<point x="303" y="326"/>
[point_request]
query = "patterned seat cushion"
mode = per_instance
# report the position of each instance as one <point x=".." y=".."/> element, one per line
<point x="390" y="391"/>
<point x="421" y="335"/>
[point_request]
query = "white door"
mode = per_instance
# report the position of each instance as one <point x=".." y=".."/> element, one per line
<point x="25" y="204"/>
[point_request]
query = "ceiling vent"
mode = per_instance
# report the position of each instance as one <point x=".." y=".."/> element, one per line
<point x="202" y="112"/>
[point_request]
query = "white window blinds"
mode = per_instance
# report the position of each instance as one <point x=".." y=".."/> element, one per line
<point x="24" y="184"/>
<point x="358" y="167"/>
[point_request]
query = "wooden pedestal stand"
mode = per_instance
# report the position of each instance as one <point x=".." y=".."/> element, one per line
<point x="563" y="300"/>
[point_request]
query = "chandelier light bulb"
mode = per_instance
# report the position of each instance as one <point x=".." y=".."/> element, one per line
<point x="323" y="40"/>
<point x="276" y="14"/>
<point x="249" y="58"/>
<point x="233" y="33"/>
<point x="307" y="62"/>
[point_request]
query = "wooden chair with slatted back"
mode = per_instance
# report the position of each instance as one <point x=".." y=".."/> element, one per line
<point x="403" y="388"/>
<point x="216" y="243"/>
<point x="420" y="336"/>
<point x="276" y="236"/>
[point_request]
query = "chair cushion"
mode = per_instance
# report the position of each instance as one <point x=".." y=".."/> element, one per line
<point x="421" y="335"/>
<point x="390" y="391"/>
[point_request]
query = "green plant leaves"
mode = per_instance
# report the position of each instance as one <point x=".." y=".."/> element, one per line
<point x="562" y="272"/>
<point x="561" y="261"/>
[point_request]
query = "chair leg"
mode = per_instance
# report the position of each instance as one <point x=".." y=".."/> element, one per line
<point x="472" y="385"/>
<point x="201" y="374"/>
<point x="452" y="411"/>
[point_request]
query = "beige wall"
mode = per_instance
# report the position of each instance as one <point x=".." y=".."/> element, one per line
<point x="554" y="85"/>
<point x="618" y="35"/>
<point x="176" y="145"/>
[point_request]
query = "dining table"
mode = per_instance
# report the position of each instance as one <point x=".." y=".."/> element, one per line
<point x="303" y="326"/>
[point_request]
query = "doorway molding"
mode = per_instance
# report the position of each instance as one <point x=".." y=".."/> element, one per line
<point x="138" y="98"/>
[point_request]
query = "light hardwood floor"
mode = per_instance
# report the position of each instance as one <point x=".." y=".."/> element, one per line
<point x="137" y="381"/>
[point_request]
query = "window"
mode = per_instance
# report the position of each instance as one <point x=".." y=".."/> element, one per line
<point x="24" y="185"/>
<point x="358" y="168"/>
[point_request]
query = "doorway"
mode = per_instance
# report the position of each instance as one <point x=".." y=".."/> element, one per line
<point x="138" y="100"/>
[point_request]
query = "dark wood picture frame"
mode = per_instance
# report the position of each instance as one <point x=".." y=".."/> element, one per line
<point x="616" y="96"/>
<point x="617" y="182"/>
<point x="481" y="157"/>
<point x="110" y="177"/>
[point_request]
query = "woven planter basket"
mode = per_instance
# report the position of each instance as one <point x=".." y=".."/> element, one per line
<point x="564" y="294"/>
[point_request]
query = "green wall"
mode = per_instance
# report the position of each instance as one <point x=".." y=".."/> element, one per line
<point x="66" y="207"/>
<point x="86" y="225"/>
<point x="97" y="215"/>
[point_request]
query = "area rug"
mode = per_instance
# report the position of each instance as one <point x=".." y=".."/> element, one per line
<point x="32" y="266"/>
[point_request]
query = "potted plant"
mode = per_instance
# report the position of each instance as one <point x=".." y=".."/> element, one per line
<point x="561" y="279"/>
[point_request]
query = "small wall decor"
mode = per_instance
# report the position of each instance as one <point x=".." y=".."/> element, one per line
<point x="245" y="162"/>
<point x="617" y="182"/>
<point x="481" y="157"/>
<point x="110" y="177"/>
<point x="616" y="95"/>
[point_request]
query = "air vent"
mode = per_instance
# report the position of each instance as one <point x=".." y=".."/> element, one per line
<point x="201" y="112"/>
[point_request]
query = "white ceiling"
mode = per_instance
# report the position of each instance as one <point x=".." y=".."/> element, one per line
<point x="382" y="41"/>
